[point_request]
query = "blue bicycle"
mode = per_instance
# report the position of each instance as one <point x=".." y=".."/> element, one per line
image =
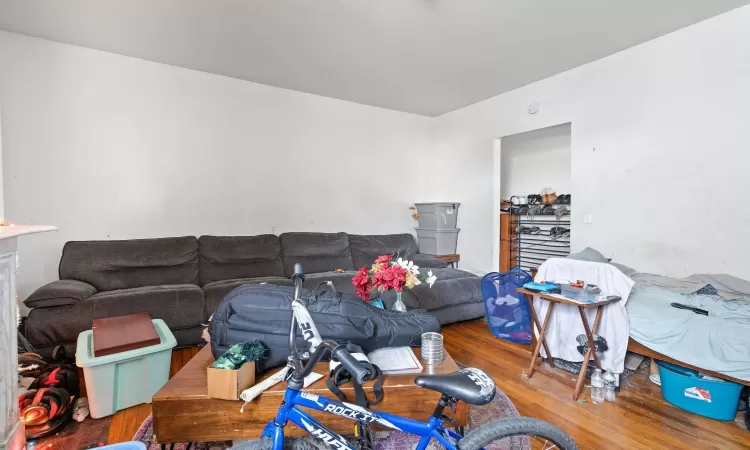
<point x="472" y="386"/>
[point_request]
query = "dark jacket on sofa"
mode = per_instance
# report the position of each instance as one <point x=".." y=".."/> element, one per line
<point x="182" y="280"/>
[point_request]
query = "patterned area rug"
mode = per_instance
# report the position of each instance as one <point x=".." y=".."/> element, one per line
<point x="500" y="407"/>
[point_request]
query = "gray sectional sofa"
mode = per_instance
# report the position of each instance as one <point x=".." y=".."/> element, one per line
<point x="182" y="280"/>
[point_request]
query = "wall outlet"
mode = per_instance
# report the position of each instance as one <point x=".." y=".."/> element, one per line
<point x="588" y="218"/>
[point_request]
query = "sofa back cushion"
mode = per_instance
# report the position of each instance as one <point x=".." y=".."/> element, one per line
<point x="367" y="247"/>
<point x="231" y="257"/>
<point x="110" y="265"/>
<point x="317" y="252"/>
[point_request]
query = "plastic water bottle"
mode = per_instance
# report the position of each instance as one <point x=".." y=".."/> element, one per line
<point x="597" y="387"/>
<point x="610" y="383"/>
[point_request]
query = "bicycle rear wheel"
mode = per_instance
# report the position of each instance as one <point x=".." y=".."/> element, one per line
<point x="518" y="432"/>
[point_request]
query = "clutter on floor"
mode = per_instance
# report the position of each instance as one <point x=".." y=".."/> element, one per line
<point x="633" y="360"/>
<point x="50" y="389"/>
<point x="91" y="433"/>
<point x="48" y="402"/>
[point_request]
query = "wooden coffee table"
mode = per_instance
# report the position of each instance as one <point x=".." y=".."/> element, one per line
<point x="183" y="412"/>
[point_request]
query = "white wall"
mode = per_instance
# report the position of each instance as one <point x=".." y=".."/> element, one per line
<point x="535" y="160"/>
<point x="660" y="152"/>
<point x="110" y="147"/>
<point x="2" y="202"/>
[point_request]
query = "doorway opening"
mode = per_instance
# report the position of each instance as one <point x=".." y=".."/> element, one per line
<point x="534" y="192"/>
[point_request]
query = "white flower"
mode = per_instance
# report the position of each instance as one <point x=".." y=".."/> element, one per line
<point x="408" y="265"/>
<point x="430" y="278"/>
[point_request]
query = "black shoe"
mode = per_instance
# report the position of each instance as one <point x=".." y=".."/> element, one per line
<point x="534" y="199"/>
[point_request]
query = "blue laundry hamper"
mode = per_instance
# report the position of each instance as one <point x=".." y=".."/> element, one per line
<point x="507" y="312"/>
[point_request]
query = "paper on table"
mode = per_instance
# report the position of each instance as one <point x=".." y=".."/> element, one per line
<point x="252" y="392"/>
<point x="312" y="378"/>
<point x="399" y="360"/>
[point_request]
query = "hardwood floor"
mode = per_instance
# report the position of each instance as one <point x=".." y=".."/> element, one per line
<point x="125" y="423"/>
<point x="640" y="419"/>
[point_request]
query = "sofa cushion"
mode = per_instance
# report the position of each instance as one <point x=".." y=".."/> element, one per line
<point x="449" y="274"/>
<point x="48" y="327"/>
<point x="216" y="291"/>
<point x="425" y="261"/>
<point x="317" y="252"/>
<point x="367" y="247"/>
<point x="58" y="325"/>
<point x="110" y="265"/>
<point x="441" y="295"/>
<point x="60" y="292"/>
<point x="447" y="293"/>
<point x="179" y="305"/>
<point x="231" y="257"/>
<point x="459" y="313"/>
<point x="341" y="281"/>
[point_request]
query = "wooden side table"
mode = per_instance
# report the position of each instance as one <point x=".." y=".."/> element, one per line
<point x="450" y="259"/>
<point x="590" y="331"/>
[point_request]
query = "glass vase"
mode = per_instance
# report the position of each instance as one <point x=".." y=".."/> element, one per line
<point x="398" y="305"/>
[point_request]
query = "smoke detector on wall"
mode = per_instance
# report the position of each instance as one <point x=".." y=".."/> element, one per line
<point x="533" y="108"/>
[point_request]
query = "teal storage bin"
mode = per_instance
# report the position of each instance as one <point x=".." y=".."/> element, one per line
<point x="684" y="388"/>
<point x="125" y="379"/>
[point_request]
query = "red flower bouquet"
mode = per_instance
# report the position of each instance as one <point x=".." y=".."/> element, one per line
<point x="387" y="274"/>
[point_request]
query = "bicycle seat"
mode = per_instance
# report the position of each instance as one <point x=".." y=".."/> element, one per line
<point x="470" y="385"/>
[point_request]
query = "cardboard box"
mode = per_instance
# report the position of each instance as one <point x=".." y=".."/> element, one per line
<point x="228" y="384"/>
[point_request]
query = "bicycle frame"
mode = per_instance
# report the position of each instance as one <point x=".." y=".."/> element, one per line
<point x="294" y="397"/>
<point x="290" y="412"/>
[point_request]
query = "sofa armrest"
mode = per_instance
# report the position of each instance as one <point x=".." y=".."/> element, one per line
<point x="60" y="292"/>
<point x="429" y="261"/>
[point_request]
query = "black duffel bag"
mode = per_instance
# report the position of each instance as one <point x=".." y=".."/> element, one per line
<point x="264" y="313"/>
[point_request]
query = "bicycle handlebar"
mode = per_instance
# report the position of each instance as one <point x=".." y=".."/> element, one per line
<point x="358" y="372"/>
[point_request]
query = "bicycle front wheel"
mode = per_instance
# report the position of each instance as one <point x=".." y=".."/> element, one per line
<point x="519" y="432"/>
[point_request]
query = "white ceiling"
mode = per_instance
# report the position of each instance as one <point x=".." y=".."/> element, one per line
<point x="421" y="56"/>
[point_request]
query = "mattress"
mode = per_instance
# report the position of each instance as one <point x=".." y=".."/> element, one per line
<point x="719" y="342"/>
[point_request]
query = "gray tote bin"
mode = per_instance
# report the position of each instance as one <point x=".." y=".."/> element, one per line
<point x="437" y="242"/>
<point x="437" y="216"/>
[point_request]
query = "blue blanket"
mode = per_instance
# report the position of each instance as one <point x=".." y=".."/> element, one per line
<point x="719" y="342"/>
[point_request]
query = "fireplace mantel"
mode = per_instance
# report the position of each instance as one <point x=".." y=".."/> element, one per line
<point x="11" y="432"/>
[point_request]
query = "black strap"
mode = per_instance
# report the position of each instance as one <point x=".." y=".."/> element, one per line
<point x="340" y="376"/>
<point x="325" y="287"/>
